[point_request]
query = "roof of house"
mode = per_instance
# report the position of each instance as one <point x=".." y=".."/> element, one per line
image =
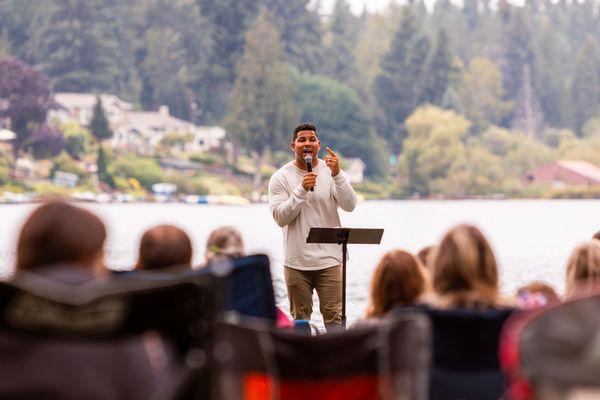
<point x="582" y="168"/>
<point x="88" y="100"/>
<point x="148" y="122"/>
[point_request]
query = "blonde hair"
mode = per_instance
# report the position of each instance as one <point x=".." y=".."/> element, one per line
<point x="465" y="273"/>
<point x="399" y="278"/>
<point x="583" y="267"/>
<point x="224" y="243"/>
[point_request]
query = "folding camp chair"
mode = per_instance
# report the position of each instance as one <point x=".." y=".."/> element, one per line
<point x="465" y="353"/>
<point x="554" y="353"/>
<point x="387" y="360"/>
<point x="67" y="342"/>
<point x="245" y="284"/>
<point x="249" y="284"/>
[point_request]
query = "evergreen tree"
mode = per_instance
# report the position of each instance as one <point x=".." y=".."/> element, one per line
<point x="229" y="20"/>
<point x="398" y="87"/>
<point x="517" y="53"/>
<point x="261" y="112"/>
<point x="99" y="125"/>
<point x="340" y="53"/>
<point x="173" y="56"/>
<point x="585" y="88"/>
<point x="551" y="49"/>
<point x="438" y="70"/>
<point x="301" y="33"/>
<point x="102" y="166"/>
<point x="82" y="45"/>
<point x="17" y="19"/>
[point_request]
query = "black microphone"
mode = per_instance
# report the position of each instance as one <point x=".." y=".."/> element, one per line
<point x="308" y="161"/>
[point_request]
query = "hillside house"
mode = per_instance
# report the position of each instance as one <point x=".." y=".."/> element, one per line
<point x="565" y="173"/>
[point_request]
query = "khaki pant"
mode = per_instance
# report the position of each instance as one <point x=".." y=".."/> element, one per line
<point x="327" y="282"/>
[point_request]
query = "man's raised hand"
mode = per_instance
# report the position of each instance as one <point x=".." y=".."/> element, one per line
<point x="333" y="161"/>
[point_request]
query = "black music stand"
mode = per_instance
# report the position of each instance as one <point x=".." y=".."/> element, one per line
<point x="344" y="236"/>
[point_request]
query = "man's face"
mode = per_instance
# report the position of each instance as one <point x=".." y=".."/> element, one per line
<point x="306" y="143"/>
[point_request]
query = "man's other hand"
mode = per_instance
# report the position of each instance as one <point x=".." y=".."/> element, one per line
<point x="309" y="181"/>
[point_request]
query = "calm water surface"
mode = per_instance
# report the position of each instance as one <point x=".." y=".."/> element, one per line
<point x="532" y="239"/>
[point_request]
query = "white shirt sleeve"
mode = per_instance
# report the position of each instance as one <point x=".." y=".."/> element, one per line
<point x="284" y="206"/>
<point x="343" y="193"/>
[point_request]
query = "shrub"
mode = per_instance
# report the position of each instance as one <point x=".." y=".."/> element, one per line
<point x="145" y="170"/>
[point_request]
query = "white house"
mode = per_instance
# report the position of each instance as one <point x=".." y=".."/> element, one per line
<point x="138" y="131"/>
<point x="207" y="138"/>
<point x="143" y="131"/>
<point x="355" y="169"/>
<point x="79" y="107"/>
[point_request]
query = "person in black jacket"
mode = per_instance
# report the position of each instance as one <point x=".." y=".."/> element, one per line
<point x="64" y="245"/>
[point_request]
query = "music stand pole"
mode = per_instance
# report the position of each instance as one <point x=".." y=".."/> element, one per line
<point x="343" y="236"/>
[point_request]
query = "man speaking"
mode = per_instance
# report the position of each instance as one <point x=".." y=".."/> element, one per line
<point x="303" y="194"/>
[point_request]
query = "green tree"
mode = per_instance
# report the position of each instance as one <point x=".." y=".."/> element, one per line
<point x="301" y="33"/>
<point x="229" y="21"/>
<point x="78" y="139"/>
<point x="550" y="49"/>
<point x="585" y="88"/>
<point x="343" y="122"/>
<point x="99" y="125"/>
<point x="439" y="70"/>
<point x="518" y="152"/>
<point x="145" y="170"/>
<point x="433" y="160"/>
<point x="16" y="25"/>
<point x="102" y="166"/>
<point x="64" y="163"/>
<point x="517" y="53"/>
<point x="261" y="111"/>
<point x="343" y="35"/>
<point x="481" y="94"/>
<point x="173" y="56"/>
<point x="398" y="87"/>
<point x="83" y="45"/>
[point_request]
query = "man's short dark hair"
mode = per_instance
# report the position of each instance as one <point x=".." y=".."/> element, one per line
<point x="306" y="126"/>
<point x="596" y="235"/>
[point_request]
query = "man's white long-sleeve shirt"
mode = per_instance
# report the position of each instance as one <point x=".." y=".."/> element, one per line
<point x="297" y="210"/>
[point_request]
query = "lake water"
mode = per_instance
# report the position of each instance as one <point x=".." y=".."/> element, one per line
<point x="532" y="239"/>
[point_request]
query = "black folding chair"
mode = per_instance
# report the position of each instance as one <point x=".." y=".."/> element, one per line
<point x="245" y="283"/>
<point x="387" y="360"/>
<point x="63" y="341"/>
<point x="465" y="362"/>
<point x="249" y="284"/>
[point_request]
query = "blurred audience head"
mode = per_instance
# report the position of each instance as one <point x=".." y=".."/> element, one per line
<point x="60" y="233"/>
<point x="596" y="236"/>
<point x="426" y="255"/>
<point x="464" y="269"/>
<point x="583" y="268"/>
<point x="399" y="279"/>
<point x="224" y="243"/>
<point x="536" y="294"/>
<point x="164" y="246"/>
